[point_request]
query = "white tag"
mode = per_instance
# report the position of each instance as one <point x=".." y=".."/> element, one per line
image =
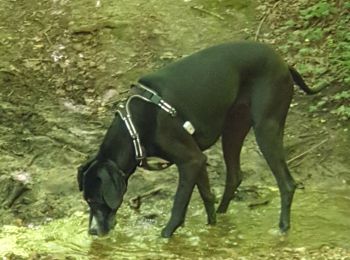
<point x="189" y="127"/>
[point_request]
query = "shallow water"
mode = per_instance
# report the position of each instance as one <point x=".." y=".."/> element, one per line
<point x="319" y="218"/>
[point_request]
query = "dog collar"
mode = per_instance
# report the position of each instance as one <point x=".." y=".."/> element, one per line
<point x="148" y="95"/>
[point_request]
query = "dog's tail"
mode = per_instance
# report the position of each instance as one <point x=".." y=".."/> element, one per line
<point x="297" y="78"/>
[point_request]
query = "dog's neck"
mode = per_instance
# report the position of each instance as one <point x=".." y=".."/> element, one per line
<point x="117" y="146"/>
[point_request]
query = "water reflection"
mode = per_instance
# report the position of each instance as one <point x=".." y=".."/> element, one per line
<point x="319" y="218"/>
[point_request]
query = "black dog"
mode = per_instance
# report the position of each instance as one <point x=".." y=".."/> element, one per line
<point x="220" y="91"/>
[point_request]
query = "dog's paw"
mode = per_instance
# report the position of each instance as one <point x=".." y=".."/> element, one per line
<point x="166" y="233"/>
<point x="222" y="209"/>
<point x="212" y="218"/>
<point x="284" y="227"/>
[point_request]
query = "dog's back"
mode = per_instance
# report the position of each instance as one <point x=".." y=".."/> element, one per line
<point x="214" y="68"/>
<point x="222" y="75"/>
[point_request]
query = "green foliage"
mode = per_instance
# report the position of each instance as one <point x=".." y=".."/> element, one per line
<point x="318" y="44"/>
<point x="343" y="112"/>
<point x="344" y="95"/>
<point x="315" y="34"/>
<point x="319" y="10"/>
<point x="339" y="103"/>
<point x="321" y="37"/>
<point x="319" y="104"/>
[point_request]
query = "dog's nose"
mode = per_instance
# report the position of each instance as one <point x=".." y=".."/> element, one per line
<point x="93" y="231"/>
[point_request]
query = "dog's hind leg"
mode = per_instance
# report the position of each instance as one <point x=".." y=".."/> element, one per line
<point x="269" y="110"/>
<point x="236" y="128"/>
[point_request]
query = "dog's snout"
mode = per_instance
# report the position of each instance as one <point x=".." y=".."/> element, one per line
<point x="101" y="227"/>
<point x="93" y="231"/>
<point x="94" y="228"/>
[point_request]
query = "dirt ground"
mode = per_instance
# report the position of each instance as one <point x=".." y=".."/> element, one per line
<point x="64" y="64"/>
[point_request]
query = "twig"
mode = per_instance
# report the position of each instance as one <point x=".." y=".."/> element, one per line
<point x="10" y="94"/>
<point x="30" y="163"/>
<point x="56" y="141"/>
<point x="17" y="191"/>
<point x="258" y="203"/>
<point x="135" y="202"/>
<point x="306" y="152"/>
<point x="201" y="9"/>
<point x="37" y="59"/>
<point x="8" y="71"/>
<point x="263" y="20"/>
<point x="132" y="67"/>
<point x="47" y="38"/>
<point x="73" y="150"/>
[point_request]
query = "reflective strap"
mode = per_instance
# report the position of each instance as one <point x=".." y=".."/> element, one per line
<point x="165" y="106"/>
<point x="147" y="95"/>
<point x="154" y="98"/>
<point x="132" y="131"/>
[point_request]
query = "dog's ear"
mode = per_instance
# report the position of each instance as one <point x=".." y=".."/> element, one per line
<point x="80" y="176"/>
<point x="109" y="189"/>
<point x="113" y="186"/>
<point x="82" y="169"/>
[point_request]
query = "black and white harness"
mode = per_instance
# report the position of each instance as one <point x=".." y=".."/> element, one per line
<point x="144" y="93"/>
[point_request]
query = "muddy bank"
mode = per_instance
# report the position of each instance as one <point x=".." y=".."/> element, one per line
<point x="62" y="69"/>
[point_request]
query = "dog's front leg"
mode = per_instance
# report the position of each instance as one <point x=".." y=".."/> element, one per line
<point x="207" y="196"/>
<point x="188" y="174"/>
<point x="179" y="147"/>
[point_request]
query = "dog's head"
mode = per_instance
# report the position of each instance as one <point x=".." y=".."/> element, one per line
<point x="103" y="185"/>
